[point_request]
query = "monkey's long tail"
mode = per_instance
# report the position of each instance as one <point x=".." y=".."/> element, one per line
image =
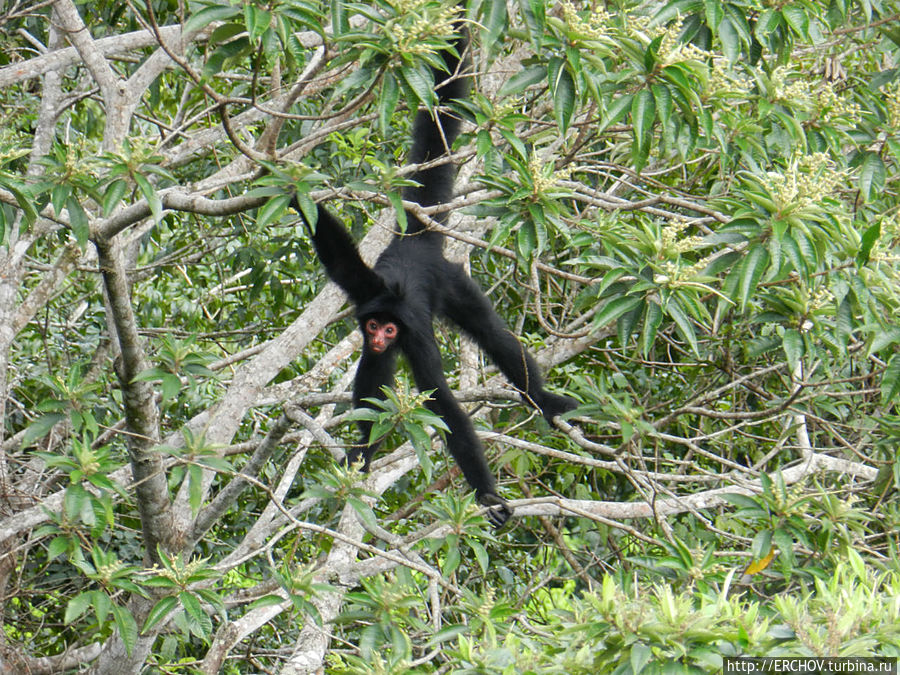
<point x="433" y="135"/>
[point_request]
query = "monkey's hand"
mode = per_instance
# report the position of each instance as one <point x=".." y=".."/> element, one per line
<point x="498" y="511"/>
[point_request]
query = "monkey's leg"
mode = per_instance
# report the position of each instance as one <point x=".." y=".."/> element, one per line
<point x="468" y="307"/>
<point x="374" y="372"/>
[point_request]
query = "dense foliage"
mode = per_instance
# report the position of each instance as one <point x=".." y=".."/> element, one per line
<point x="688" y="210"/>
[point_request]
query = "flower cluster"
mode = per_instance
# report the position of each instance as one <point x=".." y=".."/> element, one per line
<point x="670" y="242"/>
<point x="180" y="573"/>
<point x="890" y="227"/>
<point x="108" y="570"/>
<point x="892" y="103"/>
<point x="819" y="99"/>
<point x="642" y="27"/>
<point x="594" y="27"/>
<point x="416" y="21"/>
<point x="543" y="176"/>
<point x="673" y="50"/>
<point x="834" y="106"/>
<point x="805" y="182"/>
<point x="883" y="251"/>
<point x="724" y="81"/>
<point x="821" y="298"/>
<point x="798" y="90"/>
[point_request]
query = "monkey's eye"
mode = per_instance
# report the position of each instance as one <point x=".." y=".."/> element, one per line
<point x="390" y="330"/>
<point x="372" y="326"/>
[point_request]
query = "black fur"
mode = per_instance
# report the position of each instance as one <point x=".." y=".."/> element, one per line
<point x="413" y="283"/>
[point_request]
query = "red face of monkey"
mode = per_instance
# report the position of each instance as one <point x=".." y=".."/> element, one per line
<point x="380" y="334"/>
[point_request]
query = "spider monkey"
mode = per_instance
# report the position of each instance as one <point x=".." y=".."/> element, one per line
<point x="411" y="283"/>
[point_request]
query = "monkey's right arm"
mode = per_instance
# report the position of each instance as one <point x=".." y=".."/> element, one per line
<point x="341" y="259"/>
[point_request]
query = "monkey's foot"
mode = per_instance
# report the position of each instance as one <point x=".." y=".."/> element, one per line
<point x="498" y="511"/>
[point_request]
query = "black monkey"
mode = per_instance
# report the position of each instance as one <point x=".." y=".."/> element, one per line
<point x="397" y="300"/>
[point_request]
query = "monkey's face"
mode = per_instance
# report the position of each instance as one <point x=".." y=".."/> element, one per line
<point x="381" y="333"/>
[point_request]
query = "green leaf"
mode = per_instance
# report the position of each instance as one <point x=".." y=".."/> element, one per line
<point x="872" y="175"/>
<point x="227" y="32"/>
<point x="192" y="606"/>
<point x="683" y="325"/>
<point x="170" y="386"/>
<point x="387" y="102"/>
<point x="515" y="143"/>
<point x="652" y="318"/>
<point x="792" y="343"/>
<point x="78" y="606"/>
<point x="536" y="212"/>
<point x="495" y="23"/>
<point x="57" y="547"/>
<point x="884" y="339"/>
<point x="626" y="323"/>
<point x="762" y="544"/>
<point x="150" y="195"/>
<point x="890" y="381"/>
<point x="195" y="488"/>
<point x="752" y="269"/>
<point x="419" y="84"/>
<point x="266" y="601"/>
<point x="768" y="22"/>
<point x="447" y="633"/>
<point x="59" y="195"/>
<point x="869" y="238"/>
<point x="843" y="324"/>
<point x="791" y="249"/>
<point x="272" y="210"/>
<point x="75" y="499"/>
<point x="310" y="212"/>
<point x="257" y="21"/>
<point x="40" y="428"/>
<point x="159" y="612"/>
<point x="102" y="605"/>
<point x="397" y="202"/>
<point x="730" y="39"/>
<point x="741" y="501"/>
<point x="364" y="511"/>
<point x="481" y="554"/>
<point x="562" y="87"/>
<point x="640" y="656"/>
<point x="102" y="481"/>
<point x="798" y="19"/>
<point x="643" y="116"/>
<point x="616" y="308"/>
<point x="784" y="542"/>
<point x="737" y="17"/>
<point x="663" y="99"/>
<point x="160" y="582"/>
<point x="526" y="239"/>
<point x="616" y="111"/>
<point x="114" y="194"/>
<point x="78" y="219"/>
<point x="127" y="626"/>
<point x="522" y="80"/>
<point x="25" y="201"/>
<point x="714" y="15"/>
<point x="451" y="561"/>
<point x="340" y="23"/>
<point x="208" y="15"/>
